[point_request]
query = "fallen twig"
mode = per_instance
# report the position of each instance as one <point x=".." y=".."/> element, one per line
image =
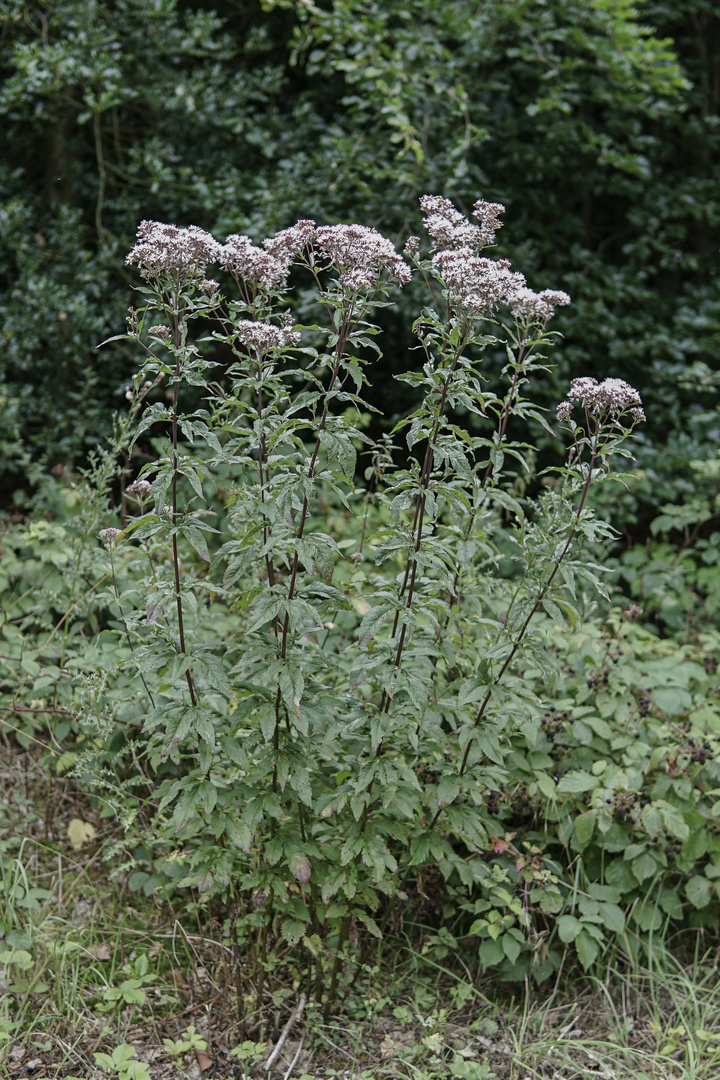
<point x="293" y="1063"/>
<point x="285" y="1032"/>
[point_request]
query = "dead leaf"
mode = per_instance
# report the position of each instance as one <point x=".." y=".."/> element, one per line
<point x="100" y="952"/>
<point x="204" y="1060"/>
<point x="79" y="832"/>
<point x="179" y="979"/>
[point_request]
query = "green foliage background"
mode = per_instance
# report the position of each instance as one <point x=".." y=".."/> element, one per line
<point x="596" y="123"/>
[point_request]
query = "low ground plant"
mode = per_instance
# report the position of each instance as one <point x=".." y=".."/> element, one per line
<point x="330" y="691"/>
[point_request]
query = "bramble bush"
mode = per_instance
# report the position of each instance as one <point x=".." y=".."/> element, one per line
<point x="308" y="696"/>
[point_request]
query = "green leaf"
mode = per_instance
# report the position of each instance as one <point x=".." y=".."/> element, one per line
<point x="698" y="891"/>
<point x="491" y="953"/>
<point x="511" y="947"/>
<point x="576" y="782"/>
<point x="292" y="930"/>
<point x="585" y="827"/>
<point x="613" y="917"/>
<point x="568" y="928"/>
<point x="587" y="949"/>
<point x="448" y="790"/>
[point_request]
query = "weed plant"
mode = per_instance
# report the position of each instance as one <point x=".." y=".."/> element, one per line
<point x="312" y="677"/>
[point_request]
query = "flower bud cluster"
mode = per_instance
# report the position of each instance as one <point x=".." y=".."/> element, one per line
<point x="162" y="332"/>
<point x="359" y="254"/>
<point x="141" y="490"/>
<point x="110" y="535"/>
<point x="167" y="251"/>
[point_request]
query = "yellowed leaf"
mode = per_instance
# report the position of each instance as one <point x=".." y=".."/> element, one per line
<point x="361" y="606"/>
<point x="79" y="832"/>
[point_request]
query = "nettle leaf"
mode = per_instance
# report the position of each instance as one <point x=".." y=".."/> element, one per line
<point x="292" y="931"/>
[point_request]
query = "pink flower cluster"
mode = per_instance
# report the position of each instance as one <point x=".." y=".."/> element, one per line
<point x="359" y="254"/>
<point x="611" y="396"/>
<point x="480" y="284"/>
<point x="532" y="307"/>
<point x="268" y="266"/>
<point x="450" y="229"/>
<point x="263" y="336"/>
<point x="167" y="251"/>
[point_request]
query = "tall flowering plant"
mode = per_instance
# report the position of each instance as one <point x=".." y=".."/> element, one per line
<point x="330" y="673"/>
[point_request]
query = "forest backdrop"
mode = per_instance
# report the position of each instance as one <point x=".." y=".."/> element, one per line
<point x="595" y="123"/>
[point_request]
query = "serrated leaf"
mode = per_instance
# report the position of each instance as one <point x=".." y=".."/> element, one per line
<point x="568" y="928"/>
<point x="587" y="949"/>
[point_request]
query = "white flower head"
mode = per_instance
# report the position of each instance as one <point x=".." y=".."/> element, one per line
<point x="488" y="214"/>
<point x="140" y="490"/>
<point x="253" y="264"/>
<point x="264" y="337"/>
<point x="612" y="396"/>
<point x="166" y="251"/>
<point x="478" y="283"/>
<point x="288" y="243"/>
<point x="451" y="230"/>
<point x="360" y="254"/>
<point x="532" y="307"/>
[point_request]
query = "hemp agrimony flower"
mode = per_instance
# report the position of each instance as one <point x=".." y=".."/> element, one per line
<point x="479" y="284"/>
<point x="140" y="490"/>
<point x="110" y="535"/>
<point x="451" y="230"/>
<point x="530" y="306"/>
<point x="360" y="254"/>
<point x="611" y="396"/>
<point x="263" y="336"/>
<point x="166" y="251"/>
<point x="252" y="264"/>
